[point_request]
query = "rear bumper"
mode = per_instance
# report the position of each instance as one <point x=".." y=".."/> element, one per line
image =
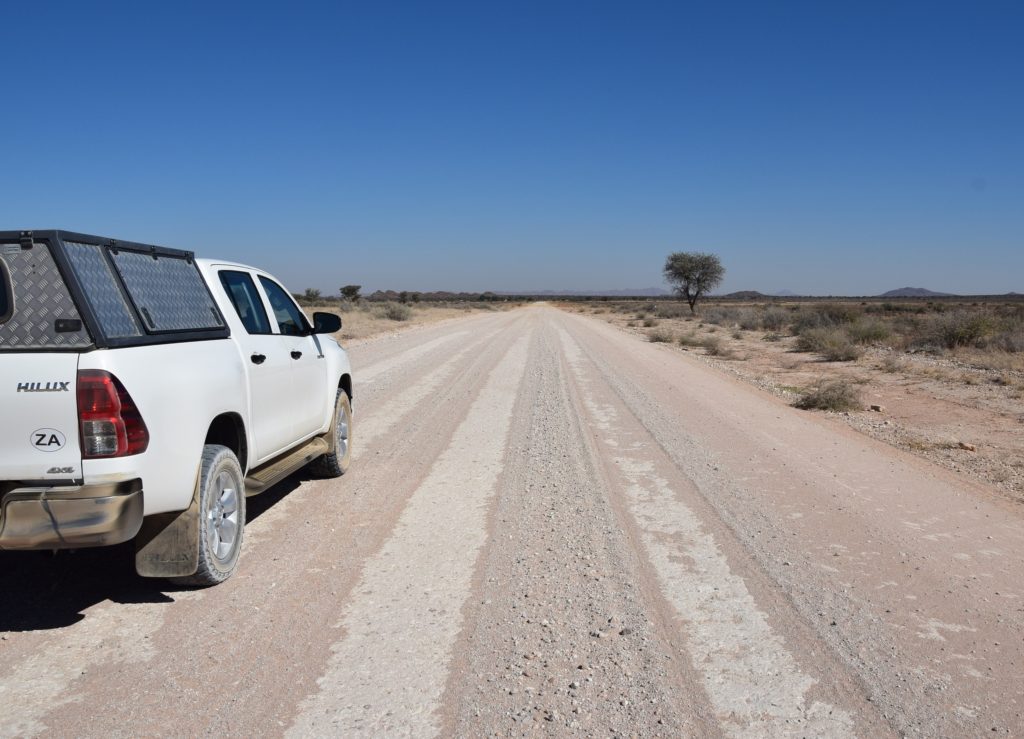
<point x="70" y="517"/>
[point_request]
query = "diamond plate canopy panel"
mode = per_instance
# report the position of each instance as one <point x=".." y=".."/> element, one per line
<point x="40" y="298"/>
<point x="168" y="291"/>
<point x="101" y="290"/>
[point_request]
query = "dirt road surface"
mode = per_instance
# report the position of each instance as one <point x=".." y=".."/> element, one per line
<point x="553" y="528"/>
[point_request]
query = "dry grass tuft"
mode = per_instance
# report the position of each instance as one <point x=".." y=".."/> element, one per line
<point x="831" y="395"/>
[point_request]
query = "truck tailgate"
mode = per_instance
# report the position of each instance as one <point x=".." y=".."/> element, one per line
<point x="39" y="417"/>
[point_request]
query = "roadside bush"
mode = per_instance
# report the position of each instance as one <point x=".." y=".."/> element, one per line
<point x="689" y="339"/>
<point x="392" y="311"/>
<point x="1009" y="341"/>
<point x="748" y="319"/>
<point x="774" y="319"/>
<point x="832" y="344"/>
<point x="868" y="331"/>
<point x="893" y="364"/>
<point x="1010" y="337"/>
<point x="714" y="347"/>
<point x="659" y="336"/>
<point x="718" y="316"/>
<point x="648" y="322"/>
<point x="831" y="395"/>
<point x="957" y="329"/>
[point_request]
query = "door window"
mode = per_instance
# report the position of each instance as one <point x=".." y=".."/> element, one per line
<point x="246" y="300"/>
<point x="291" y="320"/>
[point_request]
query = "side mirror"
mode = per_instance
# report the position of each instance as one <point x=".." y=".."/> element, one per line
<point x="326" y="323"/>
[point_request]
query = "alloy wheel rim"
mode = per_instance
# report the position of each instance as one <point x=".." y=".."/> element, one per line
<point x="222" y="517"/>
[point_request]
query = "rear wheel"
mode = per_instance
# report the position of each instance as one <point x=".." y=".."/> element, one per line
<point x="335" y="463"/>
<point x="221" y="516"/>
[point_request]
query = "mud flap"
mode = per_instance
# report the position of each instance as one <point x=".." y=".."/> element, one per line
<point x="168" y="543"/>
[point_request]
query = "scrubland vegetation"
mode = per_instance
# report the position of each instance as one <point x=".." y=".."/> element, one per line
<point x="841" y="331"/>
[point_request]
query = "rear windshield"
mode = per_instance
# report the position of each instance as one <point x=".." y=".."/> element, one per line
<point x="42" y="314"/>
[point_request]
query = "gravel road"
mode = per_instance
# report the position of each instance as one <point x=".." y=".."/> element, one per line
<point x="553" y="528"/>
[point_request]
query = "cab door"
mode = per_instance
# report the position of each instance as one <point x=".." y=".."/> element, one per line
<point x="309" y="395"/>
<point x="269" y="367"/>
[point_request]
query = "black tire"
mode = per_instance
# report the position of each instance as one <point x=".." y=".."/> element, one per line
<point x="335" y="463"/>
<point x="221" y="517"/>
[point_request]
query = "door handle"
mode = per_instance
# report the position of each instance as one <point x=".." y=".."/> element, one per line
<point x="258" y="358"/>
<point x="296" y="354"/>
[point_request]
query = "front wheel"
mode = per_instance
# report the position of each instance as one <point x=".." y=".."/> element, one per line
<point x="221" y="516"/>
<point x="335" y="463"/>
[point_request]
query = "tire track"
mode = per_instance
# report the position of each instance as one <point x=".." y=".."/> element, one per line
<point x="405" y="609"/>
<point x="750" y="676"/>
<point x="559" y="637"/>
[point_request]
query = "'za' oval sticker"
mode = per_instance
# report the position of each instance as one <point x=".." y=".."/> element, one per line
<point x="48" y="440"/>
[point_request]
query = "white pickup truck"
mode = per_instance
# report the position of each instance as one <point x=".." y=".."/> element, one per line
<point x="145" y="393"/>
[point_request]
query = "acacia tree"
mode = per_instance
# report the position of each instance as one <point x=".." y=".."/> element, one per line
<point x="692" y="274"/>
<point x="351" y="292"/>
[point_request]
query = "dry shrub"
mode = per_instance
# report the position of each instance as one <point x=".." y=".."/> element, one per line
<point x="775" y="319"/>
<point x="825" y="316"/>
<point x="689" y="339"/>
<point x="659" y="336"/>
<point x="830" y="395"/>
<point x="748" y="319"/>
<point x="392" y="312"/>
<point x="718" y="316"/>
<point x="957" y="329"/>
<point x="649" y="322"/>
<point x="833" y="344"/>
<point x="868" y="331"/>
<point x="893" y="364"/>
<point x="714" y="348"/>
<point x="1011" y="338"/>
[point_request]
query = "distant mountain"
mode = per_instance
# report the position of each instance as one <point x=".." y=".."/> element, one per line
<point x="914" y="292"/>
<point x="743" y="295"/>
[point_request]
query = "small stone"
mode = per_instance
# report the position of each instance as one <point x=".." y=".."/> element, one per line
<point x="877" y="408"/>
<point x="626" y="631"/>
<point x="967" y="447"/>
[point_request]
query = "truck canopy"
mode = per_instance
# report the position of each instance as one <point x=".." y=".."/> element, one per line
<point x="63" y="291"/>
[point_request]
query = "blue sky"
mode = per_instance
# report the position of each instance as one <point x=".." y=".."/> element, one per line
<point x="827" y="148"/>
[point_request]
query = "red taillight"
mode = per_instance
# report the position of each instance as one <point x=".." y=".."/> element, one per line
<point x="109" y="422"/>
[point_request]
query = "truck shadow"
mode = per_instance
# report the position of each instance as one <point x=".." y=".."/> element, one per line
<point x="51" y="590"/>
